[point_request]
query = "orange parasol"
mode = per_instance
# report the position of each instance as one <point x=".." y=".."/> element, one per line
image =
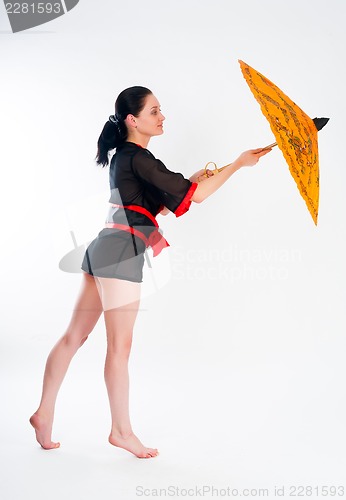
<point x="295" y="133"/>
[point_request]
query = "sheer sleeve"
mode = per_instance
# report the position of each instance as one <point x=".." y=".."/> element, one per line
<point x="174" y="190"/>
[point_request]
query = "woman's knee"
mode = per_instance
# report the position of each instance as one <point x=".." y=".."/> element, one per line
<point x="119" y="348"/>
<point x="81" y="324"/>
<point x="74" y="339"/>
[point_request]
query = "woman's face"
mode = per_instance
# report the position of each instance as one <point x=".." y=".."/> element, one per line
<point x="149" y="122"/>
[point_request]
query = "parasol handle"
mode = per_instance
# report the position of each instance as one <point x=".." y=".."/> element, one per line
<point x="217" y="170"/>
<point x="269" y="147"/>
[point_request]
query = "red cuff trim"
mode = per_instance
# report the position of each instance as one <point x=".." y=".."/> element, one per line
<point x="185" y="204"/>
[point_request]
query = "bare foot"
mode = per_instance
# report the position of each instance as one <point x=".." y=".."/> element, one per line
<point x="43" y="429"/>
<point x="132" y="443"/>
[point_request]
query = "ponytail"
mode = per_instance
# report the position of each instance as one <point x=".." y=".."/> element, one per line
<point x="114" y="132"/>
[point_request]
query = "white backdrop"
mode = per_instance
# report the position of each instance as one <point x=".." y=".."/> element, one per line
<point x="237" y="369"/>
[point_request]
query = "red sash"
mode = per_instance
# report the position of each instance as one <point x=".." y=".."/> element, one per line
<point x="156" y="241"/>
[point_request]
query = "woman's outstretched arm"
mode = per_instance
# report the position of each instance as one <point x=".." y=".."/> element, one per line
<point x="209" y="185"/>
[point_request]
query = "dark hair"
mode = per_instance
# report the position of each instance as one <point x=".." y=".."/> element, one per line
<point x="129" y="101"/>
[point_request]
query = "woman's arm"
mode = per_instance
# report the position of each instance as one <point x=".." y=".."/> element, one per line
<point x="211" y="184"/>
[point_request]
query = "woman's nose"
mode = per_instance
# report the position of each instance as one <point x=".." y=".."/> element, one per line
<point x="162" y="117"/>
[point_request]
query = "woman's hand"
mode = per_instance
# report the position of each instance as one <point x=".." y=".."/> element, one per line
<point x="251" y="157"/>
<point x="200" y="175"/>
<point x="206" y="173"/>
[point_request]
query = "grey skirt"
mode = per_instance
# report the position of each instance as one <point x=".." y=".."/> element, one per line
<point x="115" y="253"/>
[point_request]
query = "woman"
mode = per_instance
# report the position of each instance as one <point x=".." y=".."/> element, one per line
<point x="141" y="187"/>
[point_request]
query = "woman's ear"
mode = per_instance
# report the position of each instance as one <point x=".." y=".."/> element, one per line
<point x="131" y="121"/>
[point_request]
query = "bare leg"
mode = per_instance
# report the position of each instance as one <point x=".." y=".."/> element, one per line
<point x="120" y="300"/>
<point x="86" y="313"/>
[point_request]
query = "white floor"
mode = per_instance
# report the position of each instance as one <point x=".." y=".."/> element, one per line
<point x="229" y="410"/>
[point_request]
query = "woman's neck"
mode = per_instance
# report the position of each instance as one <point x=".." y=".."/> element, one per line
<point x="141" y="140"/>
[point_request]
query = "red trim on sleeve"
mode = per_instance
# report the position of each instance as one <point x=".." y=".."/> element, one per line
<point x="185" y="204"/>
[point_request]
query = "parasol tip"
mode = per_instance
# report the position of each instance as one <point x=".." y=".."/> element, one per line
<point x="320" y="122"/>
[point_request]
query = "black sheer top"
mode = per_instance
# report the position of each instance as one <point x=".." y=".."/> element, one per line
<point x="137" y="178"/>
